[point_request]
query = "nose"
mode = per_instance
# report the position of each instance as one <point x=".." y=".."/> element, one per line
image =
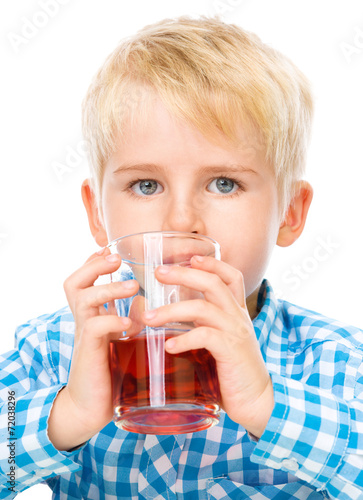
<point x="184" y="215"/>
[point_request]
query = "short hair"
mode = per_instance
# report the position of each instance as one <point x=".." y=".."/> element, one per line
<point x="212" y="74"/>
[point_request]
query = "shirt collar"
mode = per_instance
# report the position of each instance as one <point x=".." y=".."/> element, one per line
<point x="270" y="330"/>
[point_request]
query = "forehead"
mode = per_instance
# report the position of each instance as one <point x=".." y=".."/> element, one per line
<point x="153" y="133"/>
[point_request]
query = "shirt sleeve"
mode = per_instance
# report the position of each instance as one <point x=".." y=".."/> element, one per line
<point x="30" y="378"/>
<point x="317" y="436"/>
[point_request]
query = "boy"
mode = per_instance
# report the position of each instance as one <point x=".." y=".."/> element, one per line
<point x="194" y="125"/>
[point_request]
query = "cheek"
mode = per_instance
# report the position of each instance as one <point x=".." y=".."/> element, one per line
<point x="122" y="217"/>
<point x="251" y="256"/>
<point x="117" y="220"/>
<point x="246" y="251"/>
<point x="249" y="245"/>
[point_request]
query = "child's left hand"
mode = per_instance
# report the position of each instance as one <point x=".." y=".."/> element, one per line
<point x="225" y="329"/>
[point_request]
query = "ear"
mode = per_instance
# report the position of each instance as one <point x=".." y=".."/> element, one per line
<point x="296" y="215"/>
<point x="94" y="220"/>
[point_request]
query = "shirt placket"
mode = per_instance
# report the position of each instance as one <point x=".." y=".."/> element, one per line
<point x="159" y="466"/>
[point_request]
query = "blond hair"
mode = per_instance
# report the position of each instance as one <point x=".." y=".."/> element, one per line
<point x="215" y="76"/>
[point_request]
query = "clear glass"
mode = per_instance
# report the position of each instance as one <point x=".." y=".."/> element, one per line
<point x="155" y="392"/>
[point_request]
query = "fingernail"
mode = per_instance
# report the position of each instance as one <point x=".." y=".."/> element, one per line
<point x="149" y="314"/>
<point x="129" y="284"/>
<point x="164" y="269"/>
<point x="170" y="344"/>
<point x="112" y="258"/>
<point x="198" y="258"/>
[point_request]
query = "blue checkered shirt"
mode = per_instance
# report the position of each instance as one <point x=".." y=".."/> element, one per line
<point x="312" y="447"/>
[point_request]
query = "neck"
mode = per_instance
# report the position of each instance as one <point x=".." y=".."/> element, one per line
<point x="251" y="302"/>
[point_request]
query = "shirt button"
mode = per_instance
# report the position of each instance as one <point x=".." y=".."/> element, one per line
<point x="290" y="464"/>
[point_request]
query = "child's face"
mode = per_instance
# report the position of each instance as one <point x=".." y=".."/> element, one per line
<point x="168" y="176"/>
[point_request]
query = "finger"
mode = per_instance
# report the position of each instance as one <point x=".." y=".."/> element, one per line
<point x="102" y="252"/>
<point x="228" y="274"/>
<point x="210" y="284"/>
<point x="197" y="311"/>
<point x="135" y="314"/>
<point x="223" y="346"/>
<point x="198" y="338"/>
<point x="96" y="296"/>
<point x="86" y="275"/>
<point x="100" y="329"/>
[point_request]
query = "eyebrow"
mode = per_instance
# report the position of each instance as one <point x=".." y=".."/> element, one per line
<point x="152" y="167"/>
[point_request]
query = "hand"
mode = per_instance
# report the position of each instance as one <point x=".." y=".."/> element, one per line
<point x="223" y="327"/>
<point x="84" y="406"/>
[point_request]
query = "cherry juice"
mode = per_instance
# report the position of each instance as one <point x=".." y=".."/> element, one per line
<point x="155" y="392"/>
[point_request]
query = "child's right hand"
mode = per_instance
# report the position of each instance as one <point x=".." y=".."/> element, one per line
<point x="84" y="406"/>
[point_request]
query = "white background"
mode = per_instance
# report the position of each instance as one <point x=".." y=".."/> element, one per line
<point x="44" y="234"/>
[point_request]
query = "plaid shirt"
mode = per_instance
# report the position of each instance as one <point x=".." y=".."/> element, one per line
<point x="312" y="447"/>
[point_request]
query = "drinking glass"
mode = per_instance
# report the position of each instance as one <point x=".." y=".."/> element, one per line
<point x="155" y="392"/>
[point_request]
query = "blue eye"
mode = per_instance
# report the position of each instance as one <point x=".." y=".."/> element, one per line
<point x="223" y="185"/>
<point x="146" y="187"/>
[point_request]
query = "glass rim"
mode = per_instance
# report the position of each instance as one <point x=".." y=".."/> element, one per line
<point x="166" y="233"/>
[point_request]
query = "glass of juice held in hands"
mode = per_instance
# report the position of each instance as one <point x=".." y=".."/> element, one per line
<point x="155" y="392"/>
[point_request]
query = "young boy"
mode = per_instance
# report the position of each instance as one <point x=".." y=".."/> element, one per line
<point x="197" y="126"/>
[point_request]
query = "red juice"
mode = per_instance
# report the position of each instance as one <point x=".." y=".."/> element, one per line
<point x="159" y="393"/>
